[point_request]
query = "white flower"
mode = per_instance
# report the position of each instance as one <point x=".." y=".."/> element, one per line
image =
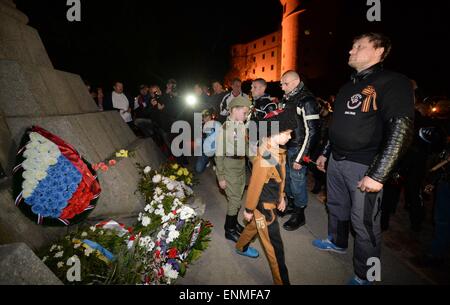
<point x="180" y="194"/>
<point x="147" y="207"/>
<point x="172" y="236"/>
<point x="157" y="178"/>
<point x="170" y="186"/>
<point x="169" y="272"/>
<point x="146" y="221"/>
<point x="26" y="193"/>
<point x="161" y="234"/>
<point x="60" y="264"/>
<point x="172" y="228"/>
<point x="44" y="259"/>
<point x="52" y="161"/>
<point x="140" y="216"/>
<point x="158" y="191"/>
<point x="165" y="218"/>
<point x="40" y="175"/>
<point x="59" y="254"/>
<point x="88" y="251"/>
<point x="84" y="234"/>
<point x="150" y="246"/>
<point x="159" y="212"/>
<point x="147" y="170"/>
<point x="186" y="213"/>
<point x="76" y="246"/>
<point x="93" y="228"/>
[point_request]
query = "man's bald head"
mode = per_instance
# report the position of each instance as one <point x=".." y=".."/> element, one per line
<point x="289" y="81"/>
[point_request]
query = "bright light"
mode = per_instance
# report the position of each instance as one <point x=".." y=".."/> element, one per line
<point x="191" y="100"/>
<point x="434" y="109"/>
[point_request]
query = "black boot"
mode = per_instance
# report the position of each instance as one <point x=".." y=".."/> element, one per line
<point x="296" y="221"/>
<point x="230" y="228"/>
<point x="238" y="226"/>
<point x="290" y="208"/>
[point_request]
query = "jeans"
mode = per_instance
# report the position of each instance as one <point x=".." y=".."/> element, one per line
<point x="201" y="163"/>
<point x="296" y="181"/>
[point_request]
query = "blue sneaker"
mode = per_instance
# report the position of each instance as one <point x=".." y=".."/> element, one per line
<point x="251" y="252"/>
<point x="327" y="245"/>
<point x="356" y="281"/>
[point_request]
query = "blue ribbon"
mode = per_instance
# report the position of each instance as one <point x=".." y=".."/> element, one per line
<point x="99" y="248"/>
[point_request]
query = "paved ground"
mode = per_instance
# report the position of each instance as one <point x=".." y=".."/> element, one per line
<point x="219" y="264"/>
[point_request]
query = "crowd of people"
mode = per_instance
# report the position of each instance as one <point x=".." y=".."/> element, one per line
<point x="363" y="146"/>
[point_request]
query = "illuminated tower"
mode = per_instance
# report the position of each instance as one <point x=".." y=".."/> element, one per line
<point x="290" y="34"/>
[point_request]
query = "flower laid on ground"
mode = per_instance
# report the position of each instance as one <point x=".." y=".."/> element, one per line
<point x="167" y="237"/>
<point x="176" y="172"/>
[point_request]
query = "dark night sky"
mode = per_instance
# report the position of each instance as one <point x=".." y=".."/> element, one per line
<point x="151" y="41"/>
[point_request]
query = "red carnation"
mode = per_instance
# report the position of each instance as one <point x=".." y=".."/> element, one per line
<point x="307" y="159"/>
<point x="112" y="162"/>
<point x="157" y="253"/>
<point x="173" y="253"/>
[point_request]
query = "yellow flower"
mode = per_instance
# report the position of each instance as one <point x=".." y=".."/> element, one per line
<point x="175" y="166"/>
<point x="172" y="177"/>
<point x="122" y="153"/>
<point x="188" y="181"/>
<point x="185" y="171"/>
<point x="180" y="172"/>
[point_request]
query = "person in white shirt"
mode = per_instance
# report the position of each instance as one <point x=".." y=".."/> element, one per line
<point x="121" y="103"/>
<point x="236" y="90"/>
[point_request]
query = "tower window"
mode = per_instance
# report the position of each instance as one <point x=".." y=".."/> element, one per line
<point x="254" y="46"/>
<point x="264" y="56"/>
<point x="254" y="58"/>
<point x="264" y="42"/>
<point x="262" y="69"/>
<point x="273" y="38"/>
<point x="254" y="71"/>
<point x="271" y="68"/>
<point x="273" y="53"/>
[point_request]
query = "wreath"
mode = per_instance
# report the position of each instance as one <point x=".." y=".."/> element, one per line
<point x="52" y="184"/>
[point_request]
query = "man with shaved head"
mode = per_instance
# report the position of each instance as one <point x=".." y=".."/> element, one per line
<point x="299" y="100"/>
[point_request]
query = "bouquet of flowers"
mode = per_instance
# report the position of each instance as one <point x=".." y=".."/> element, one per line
<point x="53" y="184"/>
<point x="176" y="172"/>
<point x="156" y="250"/>
<point x="92" y="247"/>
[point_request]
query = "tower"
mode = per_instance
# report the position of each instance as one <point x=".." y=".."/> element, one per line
<point x="290" y="34"/>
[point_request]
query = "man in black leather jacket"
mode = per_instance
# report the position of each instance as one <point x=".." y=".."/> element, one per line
<point x="371" y="129"/>
<point x="298" y="99"/>
<point x="263" y="104"/>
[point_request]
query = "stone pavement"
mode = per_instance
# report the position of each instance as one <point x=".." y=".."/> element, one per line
<point x="220" y="265"/>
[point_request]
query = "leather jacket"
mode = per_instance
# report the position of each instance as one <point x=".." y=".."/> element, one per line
<point x="262" y="106"/>
<point x="306" y="136"/>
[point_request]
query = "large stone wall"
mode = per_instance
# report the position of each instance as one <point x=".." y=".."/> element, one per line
<point x="32" y="92"/>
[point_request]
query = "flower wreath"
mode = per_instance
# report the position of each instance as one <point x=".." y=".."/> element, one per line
<point x="52" y="184"/>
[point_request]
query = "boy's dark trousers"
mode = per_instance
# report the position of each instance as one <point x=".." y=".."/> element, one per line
<point x="265" y="224"/>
